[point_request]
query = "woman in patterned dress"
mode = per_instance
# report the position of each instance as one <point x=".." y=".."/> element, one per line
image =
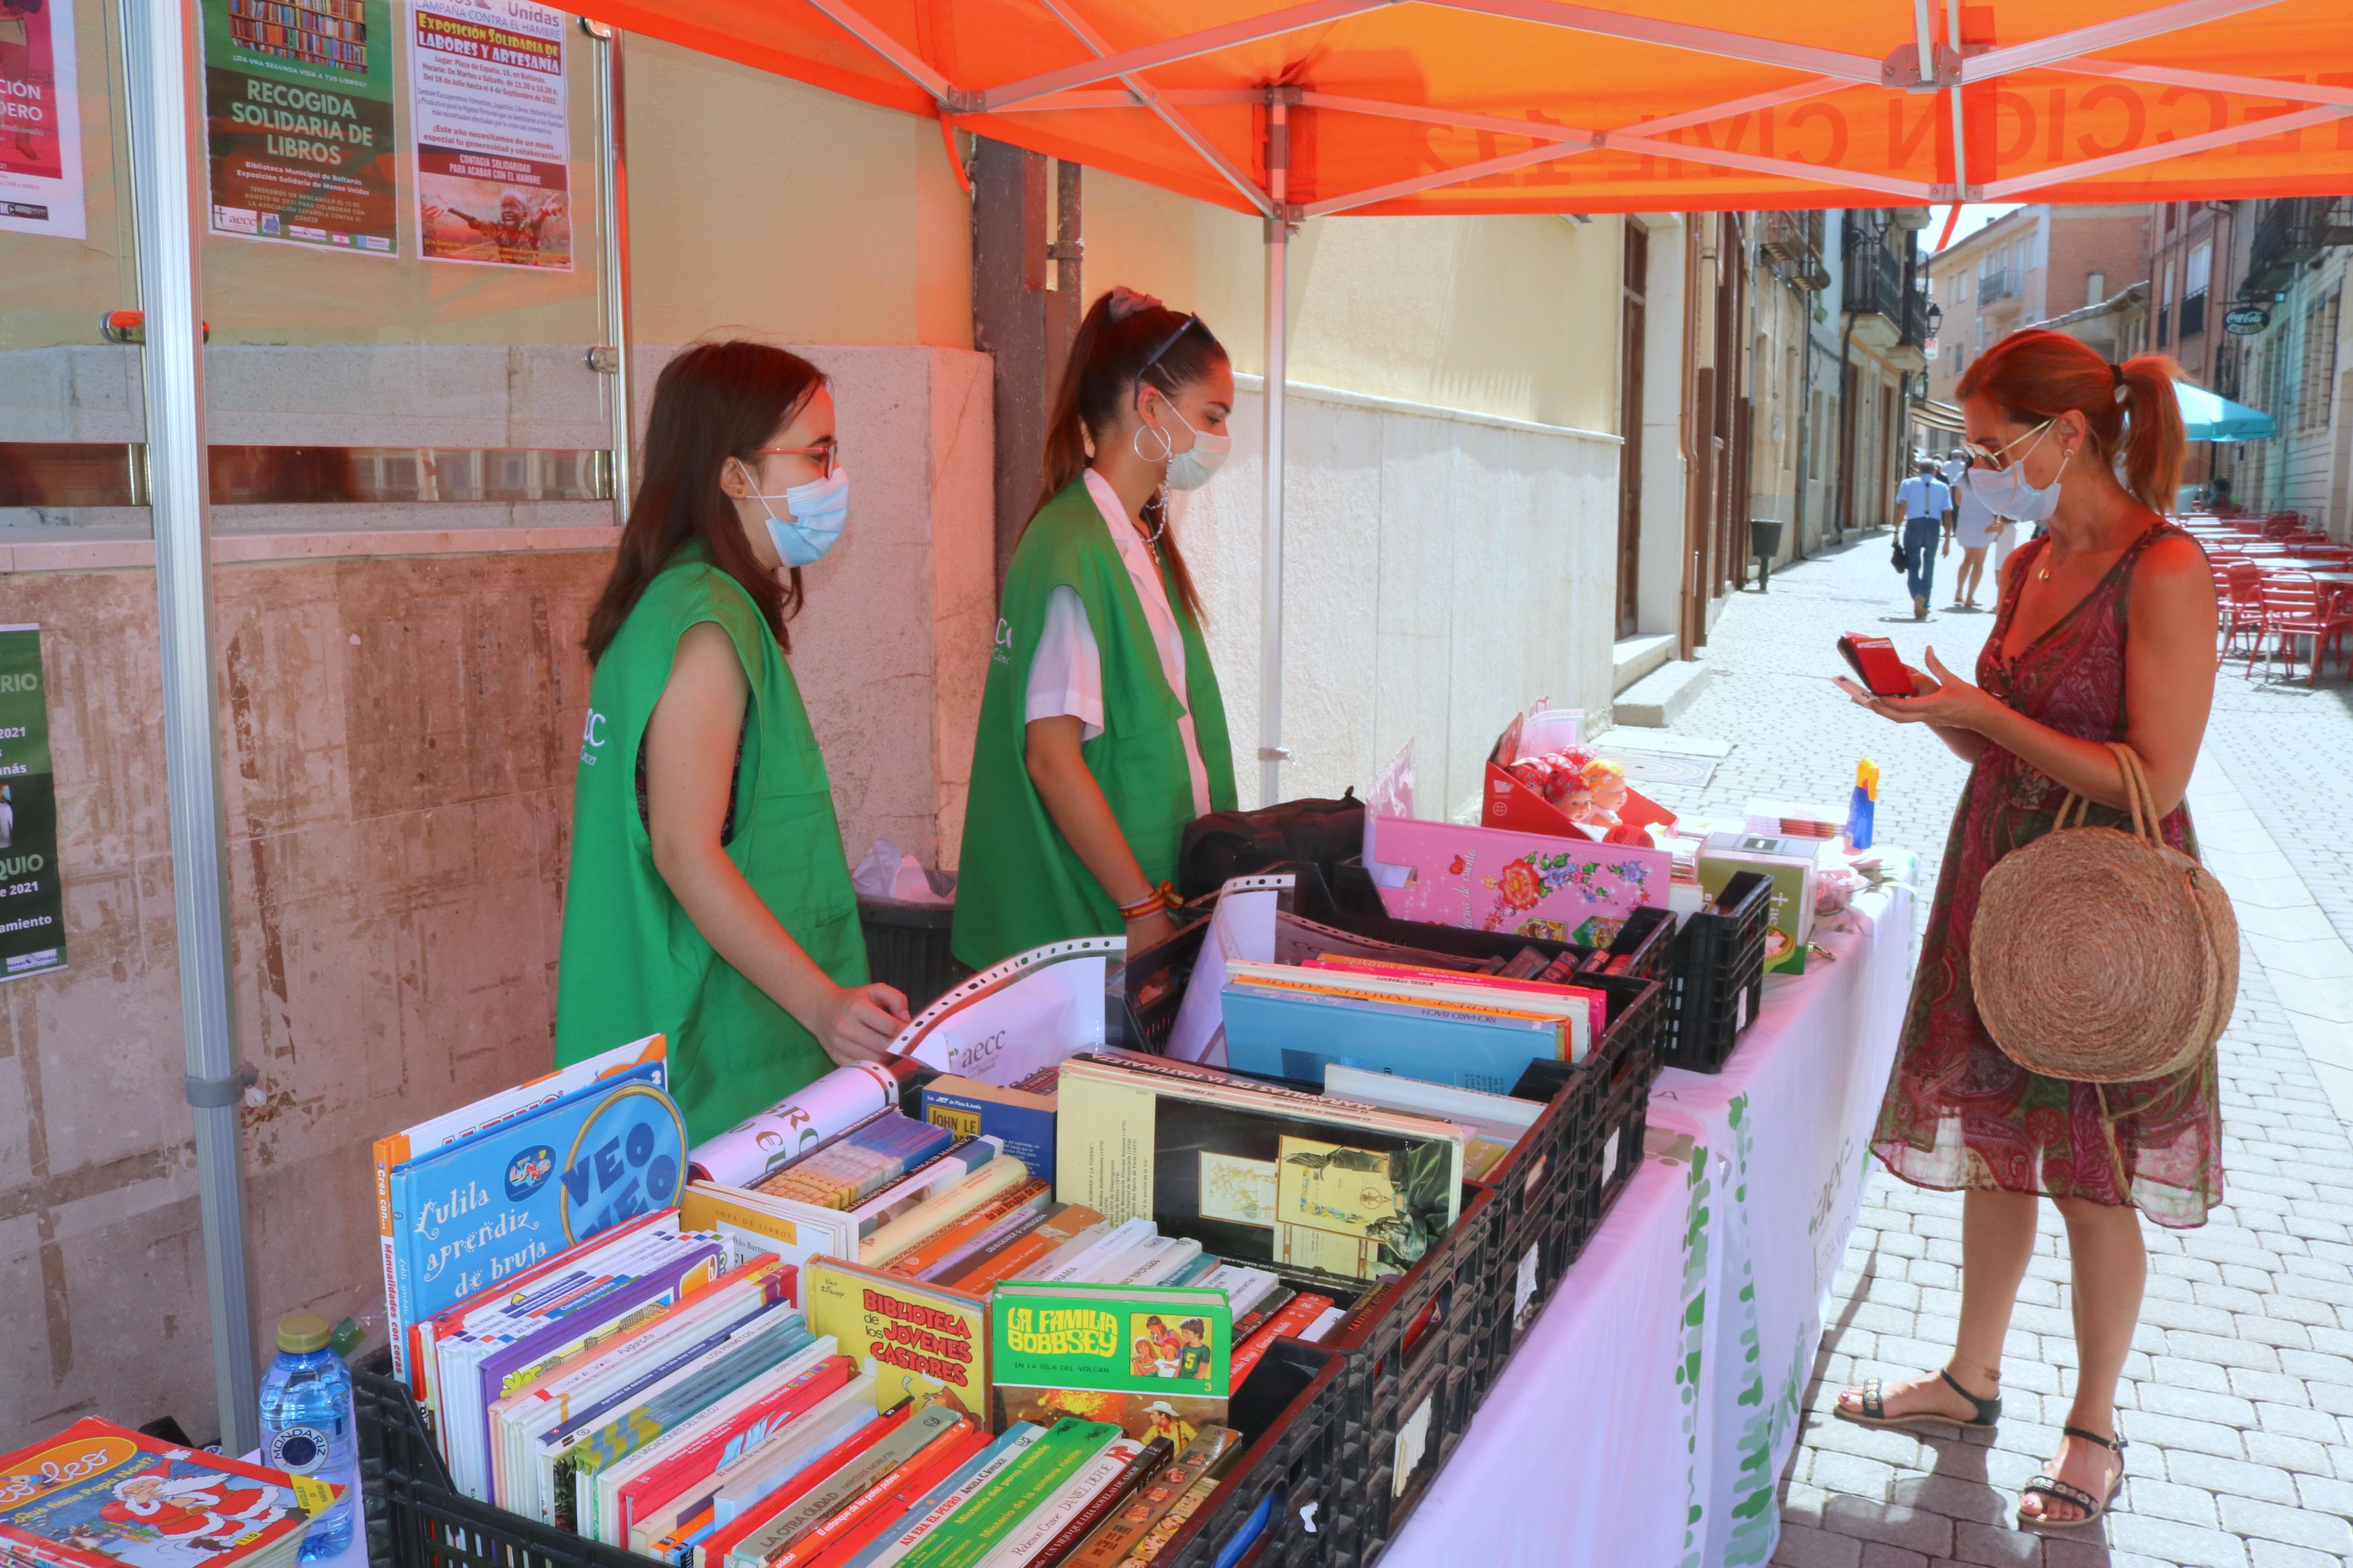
<point x="2106" y="632"/>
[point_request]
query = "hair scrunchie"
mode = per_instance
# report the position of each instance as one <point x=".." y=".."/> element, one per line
<point x="1125" y="303"/>
<point x="2116" y="375"/>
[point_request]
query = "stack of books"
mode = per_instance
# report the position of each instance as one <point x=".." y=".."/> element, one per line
<point x="1476" y="1031"/>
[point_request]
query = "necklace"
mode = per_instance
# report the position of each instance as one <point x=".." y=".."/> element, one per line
<point x="1161" y="526"/>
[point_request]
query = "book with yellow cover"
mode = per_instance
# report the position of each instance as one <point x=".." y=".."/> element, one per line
<point x="1255" y="1172"/>
<point x="919" y="1340"/>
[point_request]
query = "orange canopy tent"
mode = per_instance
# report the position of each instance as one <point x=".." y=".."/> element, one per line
<point x="1297" y="110"/>
<point x="1493" y="106"/>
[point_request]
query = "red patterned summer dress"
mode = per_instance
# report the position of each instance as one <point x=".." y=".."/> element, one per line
<point x="1959" y="1113"/>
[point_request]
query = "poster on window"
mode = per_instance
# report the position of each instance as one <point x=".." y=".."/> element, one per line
<point x="493" y="142"/>
<point x="297" y="101"/>
<point x="32" y="890"/>
<point x="40" y="119"/>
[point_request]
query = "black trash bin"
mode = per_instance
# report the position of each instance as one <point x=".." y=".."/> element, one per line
<point x="907" y="947"/>
<point x="1764" y="541"/>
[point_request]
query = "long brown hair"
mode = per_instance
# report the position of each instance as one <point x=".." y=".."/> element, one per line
<point x="1107" y="359"/>
<point x="2036" y="374"/>
<point x="715" y="402"/>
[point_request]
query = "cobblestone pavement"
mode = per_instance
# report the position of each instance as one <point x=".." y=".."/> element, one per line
<point x="2238" y="1399"/>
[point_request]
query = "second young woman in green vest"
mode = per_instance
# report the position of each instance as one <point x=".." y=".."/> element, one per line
<point x="709" y="898"/>
<point x="1102" y="733"/>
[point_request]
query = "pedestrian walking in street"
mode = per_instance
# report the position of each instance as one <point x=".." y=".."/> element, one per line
<point x="1977" y="528"/>
<point x="1926" y="506"/>
<point x="2104" y="633"/>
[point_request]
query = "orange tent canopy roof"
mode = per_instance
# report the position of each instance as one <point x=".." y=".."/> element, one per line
<point x="1491" y="106"/>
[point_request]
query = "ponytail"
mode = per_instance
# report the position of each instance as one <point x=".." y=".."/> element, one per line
<point x="1108" y="357"/>
<point x="2155" y="437"/>
<point x="2132" y="412"/>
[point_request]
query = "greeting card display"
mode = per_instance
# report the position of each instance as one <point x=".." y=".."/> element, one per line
<point x="1525" y="884"/>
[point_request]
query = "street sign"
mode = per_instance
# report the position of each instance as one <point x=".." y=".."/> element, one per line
<point x="2246" y="321"/>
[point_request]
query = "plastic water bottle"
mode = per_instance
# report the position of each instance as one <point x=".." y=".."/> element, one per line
<point x="306" y="1426"/>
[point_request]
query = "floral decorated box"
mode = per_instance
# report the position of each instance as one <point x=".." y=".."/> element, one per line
<point x="1525" y="884"/>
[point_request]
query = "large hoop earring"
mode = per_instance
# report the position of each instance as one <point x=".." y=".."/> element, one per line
<point x="1136" y="441"/>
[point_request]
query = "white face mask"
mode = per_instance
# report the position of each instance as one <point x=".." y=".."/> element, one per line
<point x="1197" y="464"/>
<point x="816" y="513"/>
<point x="2006" y="493"/>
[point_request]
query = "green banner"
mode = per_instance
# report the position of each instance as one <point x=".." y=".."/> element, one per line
<point x="298" y="103"/>
<point x="32" y="890"/>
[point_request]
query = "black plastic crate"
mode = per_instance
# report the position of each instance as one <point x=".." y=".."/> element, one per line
<point x="1715" y="980"/>
<point x="1289" y="1412"/>
<point x="1416" y="1349"/>
<point x="1554" y="1186"/>
<point x="907" y="946"/>
<point x="1352" y="904"/>
<point x="1291" y="1408"/>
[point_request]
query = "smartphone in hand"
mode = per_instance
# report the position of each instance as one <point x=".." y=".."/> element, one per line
<point x="1877" y="665"/>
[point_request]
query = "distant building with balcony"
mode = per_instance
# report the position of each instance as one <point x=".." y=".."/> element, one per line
<point x="1883" y="336"/>
<point x="2291" y="357"/>
<point x="2025" y="267"/>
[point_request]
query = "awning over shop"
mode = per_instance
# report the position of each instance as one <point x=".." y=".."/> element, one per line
<point x="2213" y="418"/>
<point x="1489" y="106"/>
<point x="1937" y="415"/>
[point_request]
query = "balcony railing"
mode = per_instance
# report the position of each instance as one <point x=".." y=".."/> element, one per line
<point x="1996" y="283"/>
<point x="2291" y="232"/>
<point x="1875" y="286"/>
<point x="1793" y="241"/>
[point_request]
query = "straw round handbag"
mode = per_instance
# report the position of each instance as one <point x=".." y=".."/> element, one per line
<point x="2104" y="956"/>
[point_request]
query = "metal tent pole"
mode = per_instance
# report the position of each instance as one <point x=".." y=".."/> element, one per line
<point x="1271" y="753"/>
<point x="614" y="356"/>
<point x="159" y="50"/>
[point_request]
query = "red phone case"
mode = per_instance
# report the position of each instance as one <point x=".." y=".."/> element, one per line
<point x="1877" y="665"/>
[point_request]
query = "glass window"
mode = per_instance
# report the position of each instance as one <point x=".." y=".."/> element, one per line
<point x="2202" y="263"/>
<point x="2096" y="287"/>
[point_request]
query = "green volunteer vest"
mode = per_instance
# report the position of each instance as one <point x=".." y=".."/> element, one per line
<point x="632" y="963"/>
<point x="1020" y="884"/>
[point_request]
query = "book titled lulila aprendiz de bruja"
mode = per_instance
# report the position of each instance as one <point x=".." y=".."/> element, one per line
<point x="95" y="1496"/>
<point x="1157" y="1361"/>
<point x="468" y="1200"/>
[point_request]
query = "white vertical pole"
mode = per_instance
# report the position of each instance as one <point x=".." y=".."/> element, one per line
<point x="613" y="222"/>
<point x="165" y="136"/>
<point x="1271" y="753"/>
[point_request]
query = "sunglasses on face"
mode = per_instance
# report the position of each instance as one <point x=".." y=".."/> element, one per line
<point x="1997" y="458"/>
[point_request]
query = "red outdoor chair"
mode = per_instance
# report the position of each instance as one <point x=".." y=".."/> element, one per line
<point x="2295" y="607"/>
<point x="2239" y="589"/>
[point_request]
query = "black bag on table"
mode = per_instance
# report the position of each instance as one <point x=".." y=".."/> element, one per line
<point x="1242" y="842"/>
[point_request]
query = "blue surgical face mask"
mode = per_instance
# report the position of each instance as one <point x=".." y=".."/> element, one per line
<point x="2006" y="492"/>
<point x="814" y="515"/>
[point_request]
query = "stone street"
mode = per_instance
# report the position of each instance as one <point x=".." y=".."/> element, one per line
<point x="2238" y="1399"/>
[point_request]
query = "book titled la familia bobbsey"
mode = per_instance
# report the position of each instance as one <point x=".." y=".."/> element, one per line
<point x="1159" y="1362"/>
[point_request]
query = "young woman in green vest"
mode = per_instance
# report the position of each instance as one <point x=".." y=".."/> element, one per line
<point x="1102" y="733"/>
<point x="709" y="900"/>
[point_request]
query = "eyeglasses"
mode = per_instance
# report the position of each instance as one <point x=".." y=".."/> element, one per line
<point x="1187" y="325"/>
<point x="1997" y="458"/>
<point x="826" y="454"/>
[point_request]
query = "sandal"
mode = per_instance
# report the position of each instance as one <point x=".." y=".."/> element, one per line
<point x="1875" y="1409"/>
<point x="2049" y="1486"/>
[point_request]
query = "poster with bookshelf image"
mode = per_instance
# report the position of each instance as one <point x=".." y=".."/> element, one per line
<point x="298" y="107"/>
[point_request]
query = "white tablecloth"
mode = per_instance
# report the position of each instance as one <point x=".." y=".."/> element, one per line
<point x="1646" y="1419"/>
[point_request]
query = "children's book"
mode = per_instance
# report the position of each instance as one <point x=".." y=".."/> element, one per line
<point x="853" y="1167"/>
<point x="1210" y="1450"/>
<point x="919" y="1340"/>
<point x="666" y="1496"/>
<point x="1042" y="1470"/>
<point x="1012" y="1259"/>
<point x="1156" y="1362"/>
<point x="1022" y="1117"/>
<point x="460" y="1217"/>
<point x="1063" y="1507"/>
<point x="1296" y="1035"/>
<point x="937" y="1507"/>
<point x="98" y="1496"/>
<point x="902" y="1442"/>
<point x="1256" y="1173"/>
